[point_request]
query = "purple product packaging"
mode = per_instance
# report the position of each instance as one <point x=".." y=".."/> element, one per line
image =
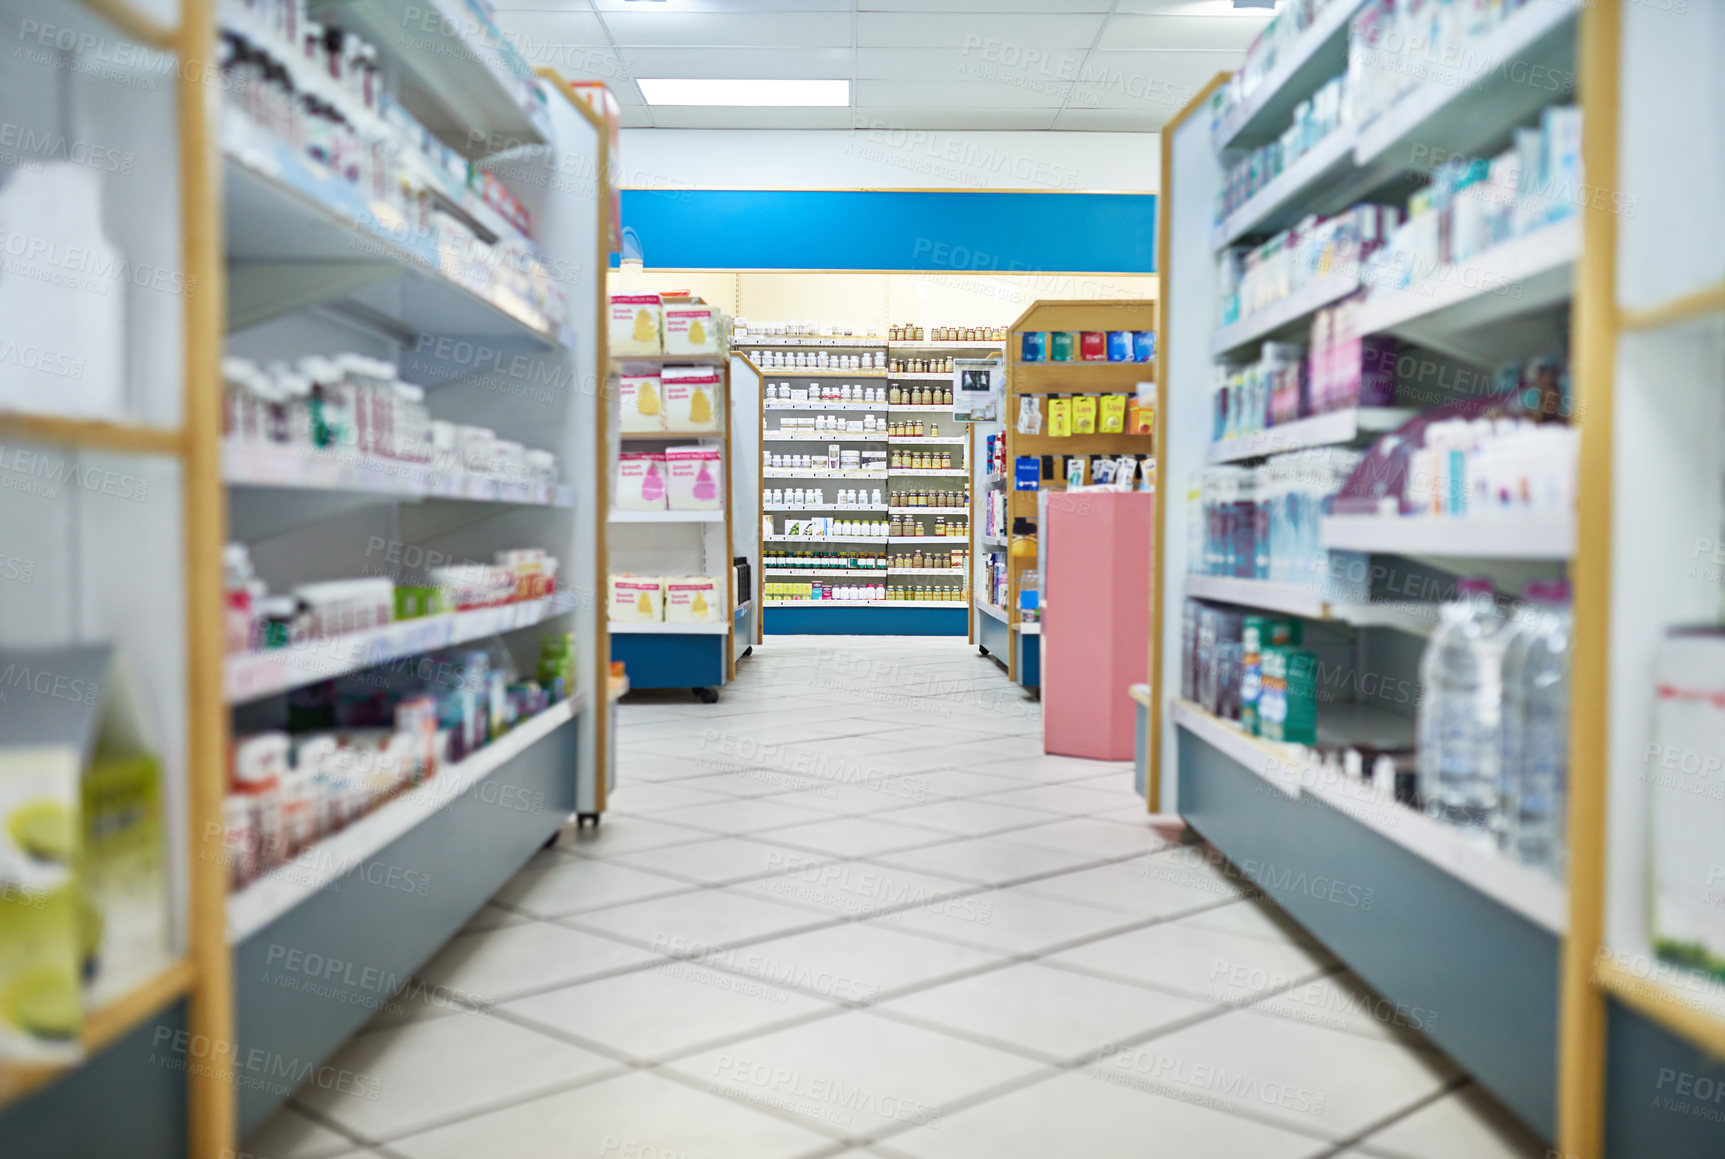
<point x="1378" y="354"/>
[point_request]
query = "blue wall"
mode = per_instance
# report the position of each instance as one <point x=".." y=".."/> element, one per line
<point x="955" y="231"/>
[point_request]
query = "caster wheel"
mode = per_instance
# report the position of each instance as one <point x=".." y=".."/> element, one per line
<point x="551" y="840"/>
<point x="981" y="650"/>
<point x="582" y="820"/>
<point x="749" y="651"/>
<point x="706" y="695"/>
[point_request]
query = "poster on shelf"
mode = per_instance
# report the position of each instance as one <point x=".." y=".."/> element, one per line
<point x="1684" y="769"/>
<point x="978" y="387"/>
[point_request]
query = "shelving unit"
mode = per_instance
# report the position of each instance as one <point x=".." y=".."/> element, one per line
<point x="1059" y="378"/>
<point x="1552" y="993"/>
<point x="286" y="262"/>
<point x="834" y="616"/>
<point x="698" y="656"/>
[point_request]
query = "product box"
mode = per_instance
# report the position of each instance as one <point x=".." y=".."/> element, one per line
<point x="1120" y="346"/>
<point x="42" y="960"/>
<point x="1256" y="634"/>
<point x="692" y="599"/>
<point x="1062" y="346"/>
<point x="1084" y="414"/>
<point x="691" y="329"/>
<point x="1140" y="418"/>
<point x="1026" y="473"/>
<point x="694" y="478"/>
<point x="1288" y="698"/>
<point x="1033" y="346"/>
<point x="636" y="599"/>
<point x="1144" y="346"/>
<point x="1059" y="418"/>
<point x="640" y="402"/>
<point x="637" y="321"/>
<point x="1112" y="417"/>
<point x="1093" y="346"/>
<point x="1684" y="775"/>
<point x="691" y="398"/>
<point x="640" y="482"/>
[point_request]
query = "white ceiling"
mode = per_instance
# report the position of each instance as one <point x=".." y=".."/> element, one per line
<point x="1106" y="65"/>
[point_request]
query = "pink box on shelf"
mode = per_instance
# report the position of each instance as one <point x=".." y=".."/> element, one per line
<point x="640" y="482"/>
<point x="695" y="479"/>
<point x="1095" y="562"/>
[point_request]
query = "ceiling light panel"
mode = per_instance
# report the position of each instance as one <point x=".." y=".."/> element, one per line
<point x="745" y="92"/>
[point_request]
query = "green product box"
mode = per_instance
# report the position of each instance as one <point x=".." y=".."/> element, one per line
<point x="557" y="662"/>
<point x="41" y="926"/>
<point x="415" y="602"/>
<point x="1062" y="346"/>
<point x="1288" y="700"/>
<point x="1258" y="633"/>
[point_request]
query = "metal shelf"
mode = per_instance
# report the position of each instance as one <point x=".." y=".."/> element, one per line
<point x="662" y="628"/>
<point x="1342" y="426"/>
<point x="1549" y="536"/>
<point x="666" y="517"/>
<point x="840" y="342"/>
<point x="1286" y="318"/>
<point x="1303" y="68"/>
<point x="263" y="465"/>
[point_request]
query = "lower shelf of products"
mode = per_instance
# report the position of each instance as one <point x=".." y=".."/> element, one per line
<point x="873" y="618"/>
<point x="323" y="865"/>
<point x="864" y="603"/>
<point x="664" y="628"/>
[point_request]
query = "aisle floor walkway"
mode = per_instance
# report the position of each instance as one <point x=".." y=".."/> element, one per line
<point x="852" y="910"/>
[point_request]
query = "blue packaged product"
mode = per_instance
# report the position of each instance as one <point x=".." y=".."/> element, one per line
<point x="1033" y="346"/>
<point x="1120" y="346"/>
<point x="1027" y="473"/>
<point x="1144" y="346"/>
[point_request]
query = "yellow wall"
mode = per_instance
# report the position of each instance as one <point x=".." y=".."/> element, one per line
<point x="871" y="302"/>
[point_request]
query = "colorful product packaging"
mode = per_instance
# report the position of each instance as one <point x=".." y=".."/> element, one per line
<point x="1062" y="346"/>
<point x="1140" y="418"/>
<point x="1120" y="346"/>
<point x="1026" y="473"/>
<point x="691" y="329"/>
<point x="1033" y="346"/>
<point x="1059" y="417"/>
<point x="1144" y="346"/>
<point x="1256" y="634"/>
<point x="691" y="398"/>
<point x="1112" y="417"/>
<point x="636" y="323"/>
<point x="694" y="478"/>
<point x="1093" y="346"/>
<point x="692" y="599"/>
<point x="637" y="599"/>
<point x="1288" y="699"/>
<point x="1084" y="414"/>
<point x="640" y="402"/>
<point x="640" y="482"/>
<point x="1684" y="770"/>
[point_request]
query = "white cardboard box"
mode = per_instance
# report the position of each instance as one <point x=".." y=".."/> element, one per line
<point x="637" y="321"/>
<point x="695" y="479"/>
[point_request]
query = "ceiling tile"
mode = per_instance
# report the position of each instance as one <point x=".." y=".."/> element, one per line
<point x="702" y="117"/>
<point x="550" y="26"/>
<point x="957" y="95"/>
<point x="953" y="118"/>
<point x="1112" y="120"/>
<point x="1001" y="36"/>
<point x="713" y="30"/>
<point x="1040" y="7"/>
<point x="1146" y="80"/>
<point x="1059" y="67"/>
<point x="1220" y="8"/>
<point x="815" y="63"/>
<point x="636" y="6"/>
<point x="634" y="117"/>
<point x="1178" y="33"/>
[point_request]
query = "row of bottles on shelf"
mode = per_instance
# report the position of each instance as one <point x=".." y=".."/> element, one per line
<point x="792" y="498"/>
<point x="921" y="366"/>
<point x="907" y="460"/>
<point x="818" y="360"/>
<point x="922" y="557"/>
<point x="942" y="526"/>
<point x="822" y="592"/>
<point x="837" y="458"/>
<point x="792" y="427"/>
<point x="847" y="392"/>
<point x="911" y="332"/>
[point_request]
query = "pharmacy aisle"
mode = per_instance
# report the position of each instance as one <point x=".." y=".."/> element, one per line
<point x="859" y="872"/>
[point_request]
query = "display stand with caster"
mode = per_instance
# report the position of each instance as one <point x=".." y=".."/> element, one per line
<point x="582" y="820"/>
<point x="706" y="695"/>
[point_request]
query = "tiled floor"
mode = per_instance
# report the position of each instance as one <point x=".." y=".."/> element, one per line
<point x="851" y="910"/>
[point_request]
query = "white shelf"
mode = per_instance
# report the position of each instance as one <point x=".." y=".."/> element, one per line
<point x="840" y="342"/>
<point x="770" y="571"/>
<point x="928" y="511"/>
<point x="946" y="571"/>
<point x="826" y="406"/>
<point x="666" y="517"/>
<point x="992" y="541"/>
<point x="250" y="675"/>
<point x="1034" y="629"/>
<point x="458" y="85"/>
<point x="1478" y="101"/>
<point x="866" y="604"/>
<point x="945" y="472"/>
<point x="823" y="539"/>
<point x="820" y="372"/>
<point x="1310" y="603"/>
<point x="928" y="440"/>
<point x="1341" y="426"/>
<point x="661" y="628"/>
<point x="324" y="864"/>
<point x="1527" y="273"/>
<point x="280" y="209"/>
<point x="921" y="376"/>
<point x="944" y="408"/>
<point x="1288" y="314"/>
<point x="822" y="507"/>
<point x="817" y="473"/>
<point x="992" y="611"/>
<point x="1548" y="536"/>
<point x="824" y="437"/>
<point x="247" y="464"/>
<point x="1279" y="203"/>
<point x="979" y="344"/>
<point x="1276" y="764"/>
<point x="1301" y="69"/>
<point x="652" y="363"/>
<point x="949" y="540"/>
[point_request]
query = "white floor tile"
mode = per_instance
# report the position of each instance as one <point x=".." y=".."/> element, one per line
<point x="291" y="1134"/>
<point x="637" y="1114"/>
<point x="854" y="962"/>
<point x="855" y="836"/>
<point x="1006" y="921"/>
<point x="1095" y="837"/>
<point x="563" y="885"/>
<point x="1208" y="965"/>
<point x="986" y="860"/>
<point x="1149" y="886"/>
<point x="663" y="1010"/>
<point x="739" y="818"/>
<point x="1063" y="1015"/>
<point x="486" y="968"/>
<point x="1078" y="1114"/>
<point x="616" y="835"/>
<point x="1461" y="1123"/>
<point x="855" y="1073"/>
<point x="973" y="818"/>
<point x="854" y="889"/>
<point x="429" y="1073"/>
<point x="680" y="923"/>
<point x="645" y="798"/>
<point x="1342" y="1002"/>
<point x="716" y="861"/>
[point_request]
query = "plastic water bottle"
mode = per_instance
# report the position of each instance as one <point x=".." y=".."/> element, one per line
<point x="1461" y="710"/>
<point x="1536" y="730"/>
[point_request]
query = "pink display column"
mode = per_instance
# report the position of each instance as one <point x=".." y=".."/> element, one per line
<point x="1095" y="558"/>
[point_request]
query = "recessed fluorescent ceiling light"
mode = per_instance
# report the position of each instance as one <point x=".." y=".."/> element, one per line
<point x="663" y="91"/>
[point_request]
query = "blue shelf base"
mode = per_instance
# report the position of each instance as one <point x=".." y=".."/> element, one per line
<point x="885" y="620"/>
<point x="1661" y="1092"/>
<point x="670" y="660"/>
<point x="994" y="635"/>
<point x="1484" y="976"/>
<point x="1029" y="659"/>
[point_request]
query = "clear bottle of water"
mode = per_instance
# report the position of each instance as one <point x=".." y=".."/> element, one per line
<point x="1535" y="803"/>
<point x="1461" y="710"/>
